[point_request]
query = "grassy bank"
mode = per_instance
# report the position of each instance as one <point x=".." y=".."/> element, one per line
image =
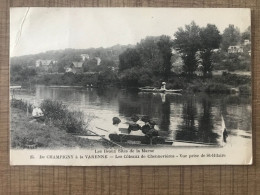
<point x="26" y="133"/>
<point x="222" y="84"/>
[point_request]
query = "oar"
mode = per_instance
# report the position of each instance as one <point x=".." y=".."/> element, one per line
<point x="102" y="129"/>
<point x="105" y="138"/>
<point x="193" y="142"/>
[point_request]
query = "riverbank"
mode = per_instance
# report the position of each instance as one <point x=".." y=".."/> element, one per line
<point x="27" y="133"/>
<point x="224" y="83"/>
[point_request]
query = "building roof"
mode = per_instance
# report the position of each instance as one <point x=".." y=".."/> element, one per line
<point x="44" y="62"/>
<point x="77" y="64"/>
<point x="235" y="46"/>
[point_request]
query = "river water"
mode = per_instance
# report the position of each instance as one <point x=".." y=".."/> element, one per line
<point x="189" y="117"/>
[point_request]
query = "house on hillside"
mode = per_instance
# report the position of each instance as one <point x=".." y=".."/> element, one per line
<point x="235" y="49"/>
<point x="247" y="42"/>
<point x="75" y="67"/>
<point x="45" y="64"/>
<point x="84" y="57"/>
<point x="98" y="60"/>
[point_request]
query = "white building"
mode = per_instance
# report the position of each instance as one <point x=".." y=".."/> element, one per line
<point x="247" y="42"/>
<point x="235" y="49"/>
<point x="98" y="60"/>
<point x="84" y="57"/>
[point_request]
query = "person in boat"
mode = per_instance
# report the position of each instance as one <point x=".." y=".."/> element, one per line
<point x="163" y="87"/>
<point x="115" y="128"/>
<point x="152" y="132"/>
<point x="146" y="127"/>
<point x="225" y="135"/>
<point x="38" y="114"/>
<point x="134" y="128"/>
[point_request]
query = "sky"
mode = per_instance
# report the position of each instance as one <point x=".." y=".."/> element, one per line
<point x="35" y="30"/>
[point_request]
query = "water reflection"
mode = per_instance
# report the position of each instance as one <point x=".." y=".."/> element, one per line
<point x="165" y="115"/>
<point x="206" y="126"/>
<point x="187" y="129"/>
<point x="194" y="117"/>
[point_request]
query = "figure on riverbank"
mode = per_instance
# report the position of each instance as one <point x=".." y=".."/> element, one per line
<point x="225" y="135"/>
<point x="38" y="114"/>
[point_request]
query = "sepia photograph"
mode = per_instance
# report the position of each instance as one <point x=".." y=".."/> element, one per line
<point x="130" y="86"/>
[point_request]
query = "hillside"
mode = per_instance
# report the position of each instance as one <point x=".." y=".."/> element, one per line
<point x="66" y="56"/>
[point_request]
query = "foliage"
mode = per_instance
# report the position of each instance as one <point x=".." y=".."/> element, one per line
<point x="247" y="34"/>
<point x="150" y="54"/>
<point x="165" y="47"/>
<point x="129" y="59"/>
<point x="232" y="79"/>
<point x="230" y="36"/>
<point x="245" y="89"/>
<point x="22" y="73"/>
<point x="210" y="39"/>
<point x="135" y="77"/>
<point x="32" y="134"/>
<point x="21" y="105"/>
<point x="58" y="114"/>
<point x="231" y="62"/>
<point x="217" y="88"/>
<point x="102" y="79"/>
<point x="187" y="42"/>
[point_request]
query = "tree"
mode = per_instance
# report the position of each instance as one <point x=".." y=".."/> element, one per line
<point x="187" y="43"/>
<point x="129" y="59"/>
<point x="247" y="34"/>
<point x="165" y="48"/>
<point x="210" y="39"/>
<point x="231" y="36"/>
<point x="150" y="54"/>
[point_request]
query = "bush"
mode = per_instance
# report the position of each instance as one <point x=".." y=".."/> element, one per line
<point x="232" y="79"/>
<point x="54" y="110"/>
<point x="22" y="105"/>
<point x="245" y="89"/>
<point x="217" y="88"/>
<point x="59" y="115"/>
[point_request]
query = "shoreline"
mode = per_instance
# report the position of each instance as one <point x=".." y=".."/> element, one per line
<point x="29" y="134"/>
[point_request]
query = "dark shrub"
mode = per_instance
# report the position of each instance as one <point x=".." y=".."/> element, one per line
<point x="59" y="115"/>
<point x="245" y="89"/>
<point x="21" y="105"/>
<point x="217" y="88"/>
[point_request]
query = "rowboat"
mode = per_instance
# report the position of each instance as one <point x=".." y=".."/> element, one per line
<point x="183" y="143"/>
<point x="15" y="87"/>
<point x="125" y="139"/>
<point x="138" y="139"/>
<point x="155" y="90"/>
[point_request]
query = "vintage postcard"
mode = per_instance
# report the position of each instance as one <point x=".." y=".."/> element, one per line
<point x="130" y="86"/>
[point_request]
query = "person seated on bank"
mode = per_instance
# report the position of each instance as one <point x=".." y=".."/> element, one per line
<point x="37" y="114"/>
<point x="134" y="128"/>
<point x="115" y="127"/>
<point x="225" y="135"/>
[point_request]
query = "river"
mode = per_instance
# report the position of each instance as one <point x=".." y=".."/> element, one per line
<point x="189" y="117"/>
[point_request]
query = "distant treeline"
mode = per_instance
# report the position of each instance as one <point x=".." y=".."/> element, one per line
<point x="200" y="50"/>
<point x="192" y="55"/>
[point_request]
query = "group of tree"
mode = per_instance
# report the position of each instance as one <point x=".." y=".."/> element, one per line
<point x="151" y="57"/>
<point x="21" y="74"/>
<point x="197" y="44"/>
